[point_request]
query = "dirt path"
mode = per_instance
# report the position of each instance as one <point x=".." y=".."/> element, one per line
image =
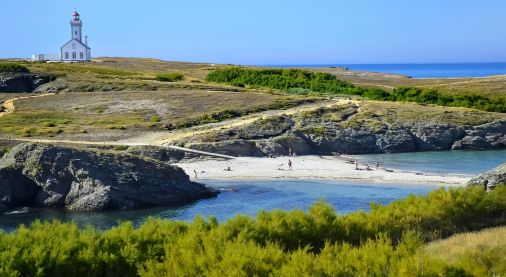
<point x="165" y="138"/>
<point x="9" y="103"/>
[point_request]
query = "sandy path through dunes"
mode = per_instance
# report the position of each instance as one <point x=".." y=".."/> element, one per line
<point x="169" y="137"/>
<point x="9" y="103"/>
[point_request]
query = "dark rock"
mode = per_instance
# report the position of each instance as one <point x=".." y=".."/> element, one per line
<point x="3" y="208"/>
<point x="490" y="179"/>
<point x="22" y="82"/>
<point x="487" y="136"/>
<point x="350" y="141"/>
<point x="398" y="139"/>
<point x="316" y="136"/>
<point x="236" y="148"/>
<point x="53" y="176"/>
<point x="165" y="155"/>
<point x="436" y="137"/>
<point x="296" y="142"/>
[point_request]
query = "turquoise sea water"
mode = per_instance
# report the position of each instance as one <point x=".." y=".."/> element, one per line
<point x="435" y="70"/>
<point x="249" y="197"/>
<point x="457" y="162"/>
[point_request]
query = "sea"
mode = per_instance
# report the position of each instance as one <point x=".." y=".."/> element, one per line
<point x="429" y="70"/>
<point x="249" y="197"/>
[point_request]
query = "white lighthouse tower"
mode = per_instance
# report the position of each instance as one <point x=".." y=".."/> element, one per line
<point x="76" y="50"/>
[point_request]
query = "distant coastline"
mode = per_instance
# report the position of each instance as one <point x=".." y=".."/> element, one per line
<point x="430" y="70"/>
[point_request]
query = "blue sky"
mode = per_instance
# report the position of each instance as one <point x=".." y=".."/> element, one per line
<point x="263" y="31"/>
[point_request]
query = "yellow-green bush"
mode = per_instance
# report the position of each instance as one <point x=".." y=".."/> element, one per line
<point x="169" y="77"/>
<point x="384" y="242"/>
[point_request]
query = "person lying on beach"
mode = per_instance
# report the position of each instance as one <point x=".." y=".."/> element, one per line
<point x="227" y="169"/>
<point x="368" y="168"/>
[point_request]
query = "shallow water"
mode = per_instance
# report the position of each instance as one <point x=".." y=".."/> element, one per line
<point x="240" y="197"/>
<point x="444" y="162"/>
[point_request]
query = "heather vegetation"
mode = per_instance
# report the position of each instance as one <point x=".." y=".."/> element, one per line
<point x="387" y="241"/>
<point x="302" y="82"/>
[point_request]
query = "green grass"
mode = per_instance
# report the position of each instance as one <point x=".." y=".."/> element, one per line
<point x="483" y="253"/>
<point x="409" y="113"/>
<point x="80" y="68"/>
<point x="37" y="123"/>
<point x="387" y="241"/>
<point x="34" y="123"/>
<point x="13" y="67"/>
<point x="169" y="77"/>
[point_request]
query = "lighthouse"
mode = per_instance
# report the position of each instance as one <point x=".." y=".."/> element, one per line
<point x="76" y="50"/>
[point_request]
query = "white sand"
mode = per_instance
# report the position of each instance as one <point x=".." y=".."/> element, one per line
<point x="311" y="167"/>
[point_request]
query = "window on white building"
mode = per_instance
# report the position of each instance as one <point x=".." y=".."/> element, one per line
<point x="66" y="55"/>
<point x="74" y="55"/>
<point x="81" y="55"/>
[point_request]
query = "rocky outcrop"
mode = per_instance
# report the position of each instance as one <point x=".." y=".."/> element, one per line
<point x="490" y="179"/>
<point x="487" y="136"/>
<point x="81" y="180"/>
<point x="324" y="138"/>
<point x="22" y="82"/>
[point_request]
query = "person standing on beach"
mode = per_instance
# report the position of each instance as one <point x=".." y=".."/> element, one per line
<point x="195" y="171"/>
<point x="290" y="165"/>
<point x="356" y="165"/>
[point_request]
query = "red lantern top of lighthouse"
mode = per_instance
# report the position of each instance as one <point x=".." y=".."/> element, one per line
<point x="76" y="16"/>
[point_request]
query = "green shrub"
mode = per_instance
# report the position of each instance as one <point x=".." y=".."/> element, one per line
<point x="155" y="118"/>
<point x="301" y="82"/>
<point x="432" y="96"/>
<point x="383" y="242"/>
<point x="169" y="77"/>
<point x="13" y="67"/>
<point x="120" y="148"/>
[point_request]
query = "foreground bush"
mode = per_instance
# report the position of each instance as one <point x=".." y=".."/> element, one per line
<point x="384" y="242"/>
<point x="300" y="82"/>
<point x="12" y="67"/>
<point x="169" y="77"/>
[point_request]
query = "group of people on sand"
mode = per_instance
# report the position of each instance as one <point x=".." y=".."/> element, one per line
<point x="196" y="173"/>
<point x="367" y="167"/>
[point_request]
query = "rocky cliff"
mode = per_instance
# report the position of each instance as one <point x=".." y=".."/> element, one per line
<point x="22" y="82"/>
<point x="490" y="179"/>
<point x="315" y="135"/>
<point x="84" y="180"/>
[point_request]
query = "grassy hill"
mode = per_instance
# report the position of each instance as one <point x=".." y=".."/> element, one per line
<point x="117" y="97"/>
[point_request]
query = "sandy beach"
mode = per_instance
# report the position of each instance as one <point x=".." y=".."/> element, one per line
<point x="312" y="167"/>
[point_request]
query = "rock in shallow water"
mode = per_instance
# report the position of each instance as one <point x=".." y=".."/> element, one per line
<point x="490" y="179"/>
<point x="83" y="180"/>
